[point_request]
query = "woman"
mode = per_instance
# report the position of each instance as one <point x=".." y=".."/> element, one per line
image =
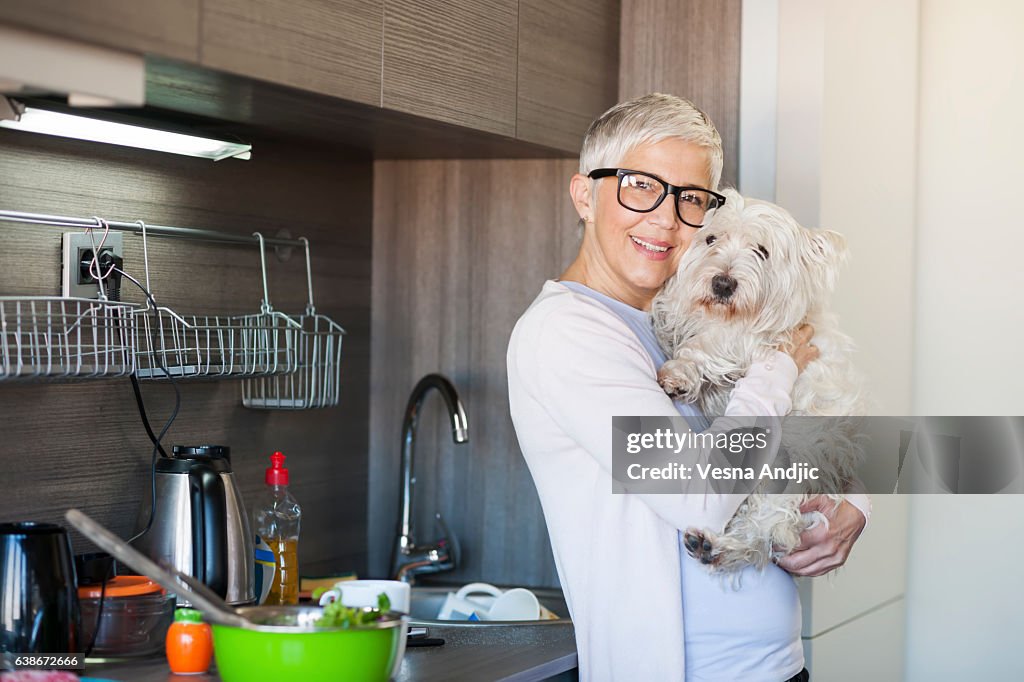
<point x="584" y="352"/>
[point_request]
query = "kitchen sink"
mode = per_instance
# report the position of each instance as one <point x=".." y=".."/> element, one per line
<point x="426" y="602"/>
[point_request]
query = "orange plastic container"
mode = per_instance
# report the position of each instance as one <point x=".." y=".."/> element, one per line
<point x="133" y="621"/>
<point x="189" y="643"/>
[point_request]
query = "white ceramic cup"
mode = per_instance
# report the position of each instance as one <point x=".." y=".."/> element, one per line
<point x="490" y="603"/>
<point x="458" y="606"/>
<point x="362" y="593"/>
<point x="515" y="604"/>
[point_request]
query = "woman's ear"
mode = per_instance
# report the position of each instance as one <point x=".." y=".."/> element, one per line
<point x="582" y="197"/>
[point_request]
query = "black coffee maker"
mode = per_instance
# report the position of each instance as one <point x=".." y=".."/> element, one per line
<point x="38" y="595"/>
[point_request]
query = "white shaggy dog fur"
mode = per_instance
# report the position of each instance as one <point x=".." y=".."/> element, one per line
<point x="748" y="279"/>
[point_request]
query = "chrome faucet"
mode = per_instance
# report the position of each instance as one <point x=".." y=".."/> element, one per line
<point x="408" y="558"/>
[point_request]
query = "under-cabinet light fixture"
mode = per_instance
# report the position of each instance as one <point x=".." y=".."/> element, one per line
<point x="48" y="122"/>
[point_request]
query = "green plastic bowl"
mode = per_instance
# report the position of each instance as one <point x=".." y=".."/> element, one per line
<point x="285" y="645"/>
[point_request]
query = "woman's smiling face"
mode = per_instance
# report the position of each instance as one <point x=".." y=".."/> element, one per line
<point x="630" y="255"/>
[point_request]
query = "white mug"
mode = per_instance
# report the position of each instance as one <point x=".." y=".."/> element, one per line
<point x="486" y="602"/>
<point x="515" y="604"/>
<point x="362" y="593"/>
<point x="458" y="606"/>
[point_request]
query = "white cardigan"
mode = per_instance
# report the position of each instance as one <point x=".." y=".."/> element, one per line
<point x="572" y="365"/>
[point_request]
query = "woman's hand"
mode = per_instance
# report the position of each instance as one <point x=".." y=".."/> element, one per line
<point x="826" y="546"/>
<point x="799" y="346"/>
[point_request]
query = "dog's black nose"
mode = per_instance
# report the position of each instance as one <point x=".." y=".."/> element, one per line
<point x="723" y="286"/>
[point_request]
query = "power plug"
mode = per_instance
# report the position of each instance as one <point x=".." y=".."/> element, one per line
<point x="77" y="253"/>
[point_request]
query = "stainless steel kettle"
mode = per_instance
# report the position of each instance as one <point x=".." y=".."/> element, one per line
<point x="199" y="523"/>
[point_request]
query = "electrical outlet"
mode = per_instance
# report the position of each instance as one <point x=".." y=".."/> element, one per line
<point x="76" y="281"/>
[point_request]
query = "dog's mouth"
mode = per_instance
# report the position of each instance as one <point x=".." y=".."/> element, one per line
<point x="719" y="305"/>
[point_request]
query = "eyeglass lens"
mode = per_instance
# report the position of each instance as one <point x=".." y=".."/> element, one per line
<point x="643" y="193"/>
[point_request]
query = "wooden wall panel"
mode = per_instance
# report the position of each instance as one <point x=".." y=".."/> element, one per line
<point x="689" y="48"/>
<point x="452" y="61"/>
<point x="321" y="120"/>
<point x="82" y="444"/>
<point x="565" y="82"/>
<point x="170" y="29"/>
<point x="461" y="248"/>
<point x="331" y="48"/>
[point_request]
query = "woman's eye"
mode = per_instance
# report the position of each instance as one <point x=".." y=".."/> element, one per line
<point x="762" y="252"/>
<point x="639" y="182"/>
<point x="694" y="198"/>
<point x="711" y="239"/>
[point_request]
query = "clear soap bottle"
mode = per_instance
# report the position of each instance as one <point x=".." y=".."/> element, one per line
<point x="277" y="529"/>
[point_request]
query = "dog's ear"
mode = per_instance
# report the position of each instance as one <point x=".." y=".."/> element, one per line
<point x="827" y="252"/>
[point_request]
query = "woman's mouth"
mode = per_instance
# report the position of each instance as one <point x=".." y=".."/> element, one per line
<point x="652" y="248"/>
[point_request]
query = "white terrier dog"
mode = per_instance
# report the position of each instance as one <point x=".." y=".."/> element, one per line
<point x="748" y="279"/>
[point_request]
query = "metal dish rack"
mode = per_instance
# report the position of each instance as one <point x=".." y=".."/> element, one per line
<point x="213" y="346"/>
<point x="285" y="362"/>
<point x="50" y="337"/>
<point x="317" y="378"/>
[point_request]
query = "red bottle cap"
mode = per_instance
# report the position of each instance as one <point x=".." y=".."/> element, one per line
<point x="276" y="472"/>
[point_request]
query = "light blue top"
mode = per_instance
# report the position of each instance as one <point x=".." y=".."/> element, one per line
<point x="750" y="632"/>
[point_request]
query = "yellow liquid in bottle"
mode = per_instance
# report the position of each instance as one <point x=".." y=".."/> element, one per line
<point x="285" y="588"/>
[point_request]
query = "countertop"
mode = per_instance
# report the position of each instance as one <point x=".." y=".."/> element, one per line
<point x="477" y="654"/>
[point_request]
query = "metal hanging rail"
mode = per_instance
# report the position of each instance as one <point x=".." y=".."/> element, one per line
<point x="157" y="230"/>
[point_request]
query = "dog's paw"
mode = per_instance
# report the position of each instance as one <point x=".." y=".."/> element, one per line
<point x="680" y="379"/>
<point x="700" y="546"/>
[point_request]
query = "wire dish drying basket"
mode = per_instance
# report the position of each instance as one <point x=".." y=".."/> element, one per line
<point x="317" y="378"/>
<point x="50" y="337"/>
<point x="213" y="346"/>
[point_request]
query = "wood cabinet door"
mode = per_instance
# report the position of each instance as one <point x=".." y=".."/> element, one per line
<point x="327" y="47"/>
<point x="567" y="69"/>
<point x="452" y="61"/>
<point x="169" y="29"/>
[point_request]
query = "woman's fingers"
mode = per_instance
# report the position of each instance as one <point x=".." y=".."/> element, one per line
<point x="800" y="347"/>
<point x="824" y="548"/>
<point x="802" y="334"/>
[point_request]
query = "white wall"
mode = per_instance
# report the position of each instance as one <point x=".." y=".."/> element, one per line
<point x="868" y="155"/>
<point x="965" y="611"/>
<point x="846" y="146"/>
<point x="970" y="278"/>
<point x="899" y="124"/>
<point x="759" y="26"/>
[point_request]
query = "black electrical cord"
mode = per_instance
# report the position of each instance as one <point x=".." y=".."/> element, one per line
<point x="113" y="265"/>
<point x="156" y="439"/>
<point x="142" y="413"/>
<point x="99" y="616"/>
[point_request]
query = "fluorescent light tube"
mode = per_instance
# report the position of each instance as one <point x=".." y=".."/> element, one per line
<point x="97" y="130"/>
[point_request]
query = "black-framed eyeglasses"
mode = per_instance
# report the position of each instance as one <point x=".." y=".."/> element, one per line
<point x="644" y="192"/>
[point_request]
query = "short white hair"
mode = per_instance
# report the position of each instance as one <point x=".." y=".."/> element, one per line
<point x="649" y="120"/>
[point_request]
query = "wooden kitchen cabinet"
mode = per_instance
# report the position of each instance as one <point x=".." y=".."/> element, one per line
<point x="568" y="69"/>
<point x="452" y="61"/>
<point x="169" y="29"/>
<point x="333" y="48"/>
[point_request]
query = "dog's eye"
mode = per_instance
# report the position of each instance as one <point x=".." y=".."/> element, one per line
<point x="762" y="252"/>
<point x="711" y="239"/>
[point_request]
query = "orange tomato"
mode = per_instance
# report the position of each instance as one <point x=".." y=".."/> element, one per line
<point x="189" y="643"/>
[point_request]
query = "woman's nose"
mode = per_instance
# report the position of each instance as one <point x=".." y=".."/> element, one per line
<point x="665" y="215"/>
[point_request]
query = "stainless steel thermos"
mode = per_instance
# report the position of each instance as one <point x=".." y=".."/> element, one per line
<point x="199" y="523"/>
